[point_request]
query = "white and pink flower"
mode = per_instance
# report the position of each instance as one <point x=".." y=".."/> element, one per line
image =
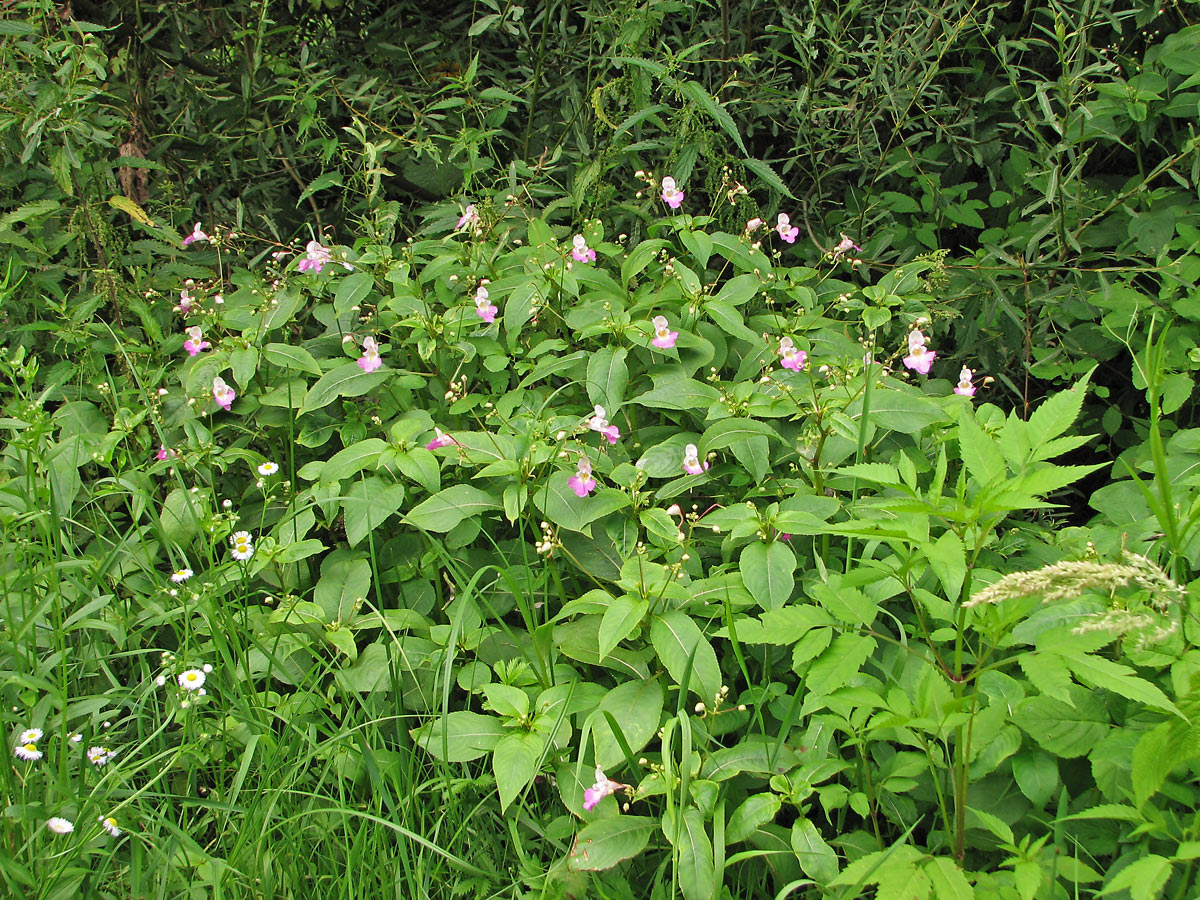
<point x="484" y="308"/>
<point x="582" y="482"/>
<point x="582" y="252"/>
<point x="964" y="387"/>
<point x="195" y="342"/>
<point x="785" y="228"/>
<point x="196" y="235"/>
<point x="920" y="357"/>
<point x="791" y="357"/>
<point x="315" y="257"/>
<point x="671" y="195"/>
<point x="223" y="393"/>
<point x="599" y="422"/>
<point x="603" y="787"/>
<point x="370" y="360"/>
<point x="692" y="464"/>
<point x="664" y="337"/>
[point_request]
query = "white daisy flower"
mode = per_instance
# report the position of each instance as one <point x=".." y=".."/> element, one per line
<point x="160" y="680"/>
<point x="28" y="752"/>
<point x="59" y="825"/>
<point x="191" y="680"/>
<point x="243" y="545"/>
<point x="29" y="736"/>
<point x="75" y="738"/>
<point x="181" y="575"/>
<point x="109" y="824"/>
<point x="99" y="756"/>
<point x="268" y="468"/>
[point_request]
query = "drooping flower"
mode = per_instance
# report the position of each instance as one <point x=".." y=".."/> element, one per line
<point x="964" y="387"/>
<point x="100" y="756"/>
<point x="469" y="218"/>
<point x="370" y="360"/>
<point x="785" y="228"/>
<point x="692" y="464"/>
<point x="59" y="825"/>
<point x="791" y="357"/>
<point x="28" y="751"/>
<point x="30" y="736"/>
<point x="195" y="342"/>
<point x="191" y="680"/>
<point x="920" y="357"/>
<point x="582" y="482"/>
<point x="186" y="302"/>
<point x="582" y="252"/>
<point x="179" y="576"/>
<point x="109" y="824"/>
<point x="484" y="308"/>
<point x="440" y="439"/>
<point x="753" y="225"/>
<point x="844" y="246"/>
<point x="223" y="393"/>
<point x="599" y="423"/>
<point x="315" y="257"/>
<point x="243" y="545"/>
<point x="603" y="787"/>
<point x="664" y="337"/>
<point x="196" y="235"/>
<point x="671" y="195"/>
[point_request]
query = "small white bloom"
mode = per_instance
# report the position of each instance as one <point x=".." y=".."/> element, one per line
<point x="207" y="667"/>
<point x="160" y="680"/>
<point x="181" y="575"/>
<point x="99" y="756"/>
<point x="75" y="738"/>
<point x="29" y="736"/>
<point x="268" y="468"/>
<point x="59" y="825"/>
<point x="191" y="680"/>
<point x="28" y="752"/>
<point x="109" y="824"/>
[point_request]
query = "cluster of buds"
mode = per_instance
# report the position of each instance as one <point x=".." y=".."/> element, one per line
<point x="456" y="390"/>
<point x="704" y="711"/>
<point x="545" y="546"/>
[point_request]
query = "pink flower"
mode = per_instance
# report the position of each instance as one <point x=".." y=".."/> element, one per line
<point x="195" y="342"/>
<point x="671" y="195"/>
<point x="664" y="338"/>
<point x="483" y="307"/>
<point x="582" y="482"/>
<point x="439" y="440"/>
<point x="692" y="464"/>
<point x="315" y="257"/>
<point x="786" y="229"/>
<point x="223" y="393"/>
<point x="753" y="225"/>
<point x="186" y="301"/>
<point x="370" y="360"/>
<point x="164" y="452"/>
<point x="603" y="787"/>
<point x="469" y="218"/>
<point x="599" y="423"/>
<point x="920" y="357"/>
<point x="791" y="358"/>
<point x="844" y="246"/>
<point x="582" y="252"/>
<point x="965" y="388"/>
<point x="196" y="235"/>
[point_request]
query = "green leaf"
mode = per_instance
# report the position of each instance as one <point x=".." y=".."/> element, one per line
<point x="1112" y="676"/>
<point x="559" y="504"/>
<point x="1055" y="415"/>
<point x="518" y="309"/>
<point x="816" y="857"/>
<point x="839" y="663"/>
<point x="351" y="291"/>
<point x="756" y="810"/>
<point x="696" y="870"/>
<point x="447" y="508"/>
<point x="1153" y="758"/>
<point x="1065" y="730"/>
<point x="421" y="466"/>
<point x="604" y="843"/>
<point x="637" y="708"/>
<point x="346" y="380"/>
<point x="1143" y="878"/>
<point x="367" y="505"/>
<point x="344" y="581"/>
<point x="729" y="320"/>
<point x="739" y="290"/>
<point x="759" y="754"/>
<point x="290" y="357"/>
<point x="352" y="460"/>
<point x="948" y="880"/>
<point x="979" y="452"/>
<point x="1036" y="774"/>
<point x="679" y="393"/>
<point x="768" y="176"/>
<point x="623" y="616"/>
<point x="515" y="763"/>
<point x="607" y="377"/>
<point x="729" y="431"/>
<point x="675" y="638"/>
<point x="507" y="700"/>
<point x="948" y="558"/>
<point x="767" y="571"/>
<point x="898" y="410"/>
<point x="320" y="183"/>
<point x="699" y="95"/>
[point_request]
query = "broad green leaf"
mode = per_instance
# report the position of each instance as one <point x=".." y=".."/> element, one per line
<point x="816" y="857"/>
<point x="758" y="754"/>
<point x="507" y="700"/>
<point x="421" y="466"/>
<point x="754" y="454"/>
<point x="767" y="571"/>
<point x="346" y="380"/>
<point x="636" y="706"/>
<point x="447" y="508"/>
<point x="515" y="763"/>
<point x="1036" y="774"/>
<point x="729" y="320"/>
<point x="848" y="604"/>
<point x="948" y="558"/>
<point x="757" y="809"/>
<point x="948" y="880"/>
<point x="607" y="377"/>
<point x="344" y="581"/>
<point x="1048" y="673"/>
<point x="604" y="843"/>
<point x="898" y="410"/>
<point x="738" y="290"/>
<point x="1154" y="756"/>
<point x="560" y="505"/>
<point x="353" y="459"/>
<point x="623" y="616"/>
<point x="291" y="357"/>
<point x="1064" y="730"/>
<point x="729" y="431"/>
<point x="839" y="663"/>
<point x="518" y="309"/>
<point x="676" y="638"/>
<point x="351" y="291"/>
<point x="679" y="393"/>
<point x="367" y="505"/>
<point x="697" y="874"/>
<point x="1112" y="676"/>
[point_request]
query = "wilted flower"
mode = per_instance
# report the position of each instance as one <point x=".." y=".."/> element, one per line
<point x="786" y="230"/>
<point x="599" y="423"/>
<point x="223" y="393"/>
<point x="964" y="387"/>
<point x="59" y="825"/>
<point x="268" y="468"/>
<point x="186" y="302"/>
<point x="920" y="357"/>
<point x="692" y="464"/>
<point x="844" y="246"/>
<point x="195" y="342"/>
<point x="603" y="787"/>
<point x="315" y="257"/>
<point x="196" y="235"/>
<point x="28" y="751"/>
<point x="671" y="195"/>
<point x="109" y="824"/>
<point x="439" y="440"/>
<point x="753" y="225"/>
<point x="191" y="680"/>
<point x="582" y="252"/>
<point x="664" y="337"/>
<point x="484" y="308"/>
<point x="582" y="482"/>
<point x="370" y="360"/>
<point x="243" y="545"/>
<point x="790" y="356"/>
<point x="469" y="218"/>
<point x="181" y="575"/>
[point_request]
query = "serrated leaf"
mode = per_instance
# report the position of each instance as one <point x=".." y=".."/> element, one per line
<point x="1143" y="878"/>
<point x="352" y="291"/>
<point x="1065" y="730"/>
<point x="948" y="880"/>
<point x="1055" y="415"/>
<point x="729" y="320"/>
<point x="980" y="455"/>
<point x="1112" y="676"/>
<point x="699" y="94"/>
<point x="768" y="176"/>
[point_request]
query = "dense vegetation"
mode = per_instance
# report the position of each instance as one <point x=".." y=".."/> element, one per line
<point x="620" y="449"/>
